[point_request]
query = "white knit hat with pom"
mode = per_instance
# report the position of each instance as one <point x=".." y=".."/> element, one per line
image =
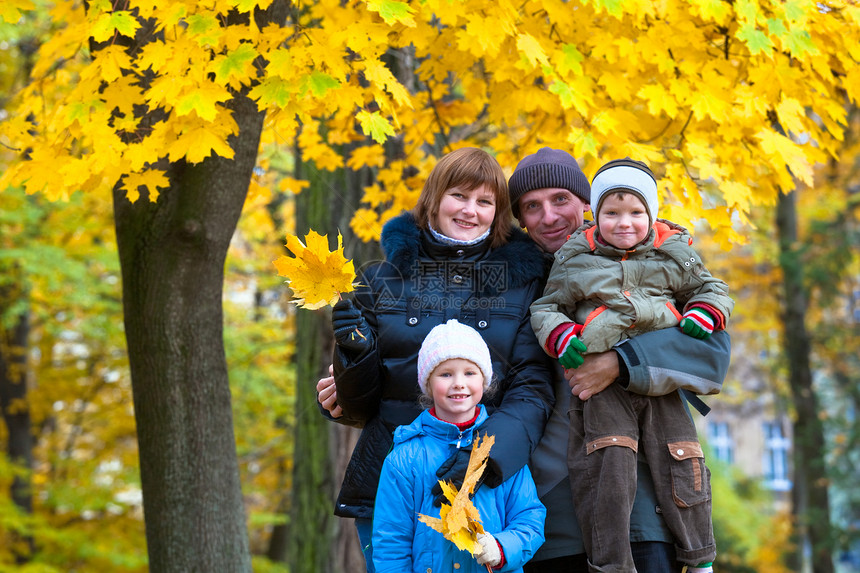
<point x="453" y="340"/>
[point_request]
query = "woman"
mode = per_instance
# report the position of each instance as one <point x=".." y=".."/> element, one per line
<point x="455" y="256"/>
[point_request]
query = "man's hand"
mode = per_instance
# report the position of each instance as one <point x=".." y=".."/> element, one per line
<point x="327" y="394"/>
<point x="597" y="372"/>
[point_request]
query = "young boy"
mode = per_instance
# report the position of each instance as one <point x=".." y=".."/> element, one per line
<point x="454" y="372"/>
<point x="622" y="275"/>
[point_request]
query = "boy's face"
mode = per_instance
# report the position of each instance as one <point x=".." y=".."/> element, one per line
<point x="456" y="385"/>
<point x="623" y="220"/>
<point x="550" y="215"/>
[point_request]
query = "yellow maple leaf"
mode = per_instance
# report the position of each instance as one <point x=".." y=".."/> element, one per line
<point x="11" y="10"/>
<point x="152" y="179"/>
<point x="531" y="48"/>
<point x="316" y="276"/>
<point x="460" y="522"/>
<point x="197" y="144"/>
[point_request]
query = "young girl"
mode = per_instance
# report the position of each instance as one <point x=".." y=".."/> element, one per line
<point x="454" y="371"/>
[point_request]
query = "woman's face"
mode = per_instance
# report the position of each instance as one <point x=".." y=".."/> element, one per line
<point x="465" y="215"/>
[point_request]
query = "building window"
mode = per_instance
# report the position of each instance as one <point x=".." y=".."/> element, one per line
<point x="721" y="442"/>
<point x="775" y="463"/>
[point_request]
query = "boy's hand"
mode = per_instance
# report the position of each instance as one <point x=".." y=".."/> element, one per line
<point x="698" y="323"/>
<point x="568" y="347"/>
<point x="570" y="355"/>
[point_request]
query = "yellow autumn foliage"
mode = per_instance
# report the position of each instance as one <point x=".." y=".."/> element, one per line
<point x="730" y="103"/>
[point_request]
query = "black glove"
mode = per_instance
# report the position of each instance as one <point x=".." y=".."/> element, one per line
<point x="351" y="330"/>
<point x="453" y="470"/>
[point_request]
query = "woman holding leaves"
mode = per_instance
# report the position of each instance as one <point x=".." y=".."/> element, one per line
<point x="455" y="256"/>
<point x="503" y="526"/>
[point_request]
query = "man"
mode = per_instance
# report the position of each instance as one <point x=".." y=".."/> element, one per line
<point x="549" y="197"/>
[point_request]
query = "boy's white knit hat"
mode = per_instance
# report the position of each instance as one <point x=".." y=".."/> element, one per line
<point x="453" y="340"/>
<point x="625" y="175"/>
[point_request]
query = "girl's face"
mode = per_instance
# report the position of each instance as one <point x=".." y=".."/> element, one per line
<point x="465" y="215"/>
<point x="456" y="385"/>
<point x="623" y="220"/>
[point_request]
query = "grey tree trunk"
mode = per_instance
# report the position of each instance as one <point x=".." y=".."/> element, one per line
<point x="811" y="502"/>
<point x="172" y="253"/>
<point x="316" y="540"/>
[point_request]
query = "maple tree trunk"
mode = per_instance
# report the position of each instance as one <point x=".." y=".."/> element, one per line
<point x="14" y="406"/>
<point x="810" y="495"/>
<point x="172" y="253"/>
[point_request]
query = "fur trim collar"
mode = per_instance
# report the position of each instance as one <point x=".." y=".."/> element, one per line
<point x="402" y="244"/>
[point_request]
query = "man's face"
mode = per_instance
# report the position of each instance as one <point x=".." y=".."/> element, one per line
<point x="550" y="215"/>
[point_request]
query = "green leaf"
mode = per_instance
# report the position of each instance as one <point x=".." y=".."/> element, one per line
<point x="799" y="43"/>
<point x="795" y="9"/>
<point x="124" y="23"/>
<point x="776" y="27"/>
<point x="319" y="83"/>
<point x="374" y="125"/>
<point x="747" y="10"/>
<point x="611" y="6"/>
<point x="201" y="23"/>
<point x="233" y="64"/>
<point x="572" y="60"/>
<point x="272" y="91"/>
<point x="565" y="94"/>
<point x="393" y="11"/>
<point x="109" y="23"/>
<point x="756" y="40"/>
<point x="204" y="28"/>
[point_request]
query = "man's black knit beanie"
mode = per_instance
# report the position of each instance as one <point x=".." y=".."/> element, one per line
<point x="551" y="168"/>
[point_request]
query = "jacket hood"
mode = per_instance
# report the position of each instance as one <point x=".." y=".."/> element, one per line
<point x="659" y="233"/>
<point x="402" y="242"/>
<point x="427" y="424"/>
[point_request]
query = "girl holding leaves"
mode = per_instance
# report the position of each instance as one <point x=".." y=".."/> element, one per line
<point x="458" y="256"/>
<point x="502" y="527"/>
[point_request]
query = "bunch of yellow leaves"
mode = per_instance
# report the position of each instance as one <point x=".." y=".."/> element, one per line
<point x="460" y="522"/>
<point x="316" y="276"/>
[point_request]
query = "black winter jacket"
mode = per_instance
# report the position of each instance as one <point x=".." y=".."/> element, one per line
<point x="421" y="284"/>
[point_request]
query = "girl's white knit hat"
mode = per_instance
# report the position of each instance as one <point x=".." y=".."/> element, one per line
<point x="453" y="340"/>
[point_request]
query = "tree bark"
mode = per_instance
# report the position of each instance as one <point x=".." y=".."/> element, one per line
<point x="172" y="253"/>
<point x="811" y="502"/>
<point x="14" y="406"/>
<point x="319" y="459"/>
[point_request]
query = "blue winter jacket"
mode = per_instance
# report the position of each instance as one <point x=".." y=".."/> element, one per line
<point x="512" y="512"/>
